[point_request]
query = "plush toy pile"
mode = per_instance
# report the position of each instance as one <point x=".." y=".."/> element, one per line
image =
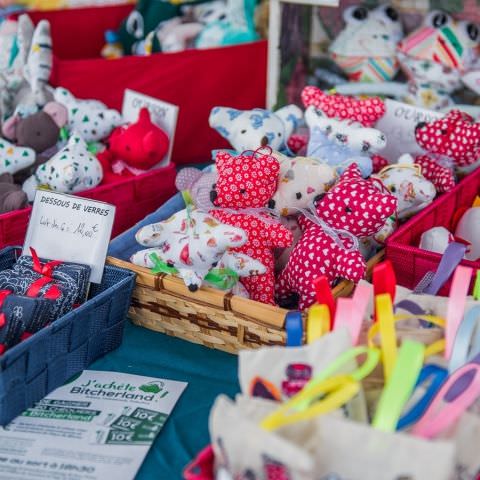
<point x="162" y="26"/>
<point x="51" y="139"/>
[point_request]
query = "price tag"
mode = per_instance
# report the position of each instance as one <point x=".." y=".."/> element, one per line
<point x="71" y="229"/>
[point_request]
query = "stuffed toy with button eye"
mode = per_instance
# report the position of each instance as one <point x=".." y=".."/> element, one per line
<point x="434" y="58"/>
<point x="354" y="207"/>
<point x="366" y="48"/>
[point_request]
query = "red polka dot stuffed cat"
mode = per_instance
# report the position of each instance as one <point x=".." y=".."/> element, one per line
<point x="354" y="207"/>
<point x="245" y="183"/>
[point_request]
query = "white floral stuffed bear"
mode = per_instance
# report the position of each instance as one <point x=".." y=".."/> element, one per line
<point x="405" y="181"/>
<point x="340" y="143"/>
<point x="251" y="129"/>
<point x="301" y="181"/>
<point x="72" y="169"/>
<point x="90" y="118"/>
<point x="191" y="241"/>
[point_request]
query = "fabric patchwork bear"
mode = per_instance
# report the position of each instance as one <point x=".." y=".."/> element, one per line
<point x="71" y="170"/>
<point x="341" y="143"/>
<point x="301" y="180"/>
<point x="251" y="129"/>
<point x="353" y="208"/>
<point x="366" y="112"/>
<point x="366" y="47"/>
<point x="245" y="185"/>
<point x="405" y="181"/>
<point x="455" y="137"/>
<point x="191" y="241"/>
<point x="92" y="119"/>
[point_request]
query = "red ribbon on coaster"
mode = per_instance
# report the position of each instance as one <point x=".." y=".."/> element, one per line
<point x="43" y="269"/>
<point x="3" y="295"/>
<point x="53" y="293"/>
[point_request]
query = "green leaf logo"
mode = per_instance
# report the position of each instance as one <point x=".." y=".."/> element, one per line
<point x="152" y="388"/>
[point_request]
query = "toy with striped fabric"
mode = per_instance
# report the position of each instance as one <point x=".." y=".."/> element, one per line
<point x="244" y="187"/>
<point x="365" y="48"/>
<point x="353" y="208"/>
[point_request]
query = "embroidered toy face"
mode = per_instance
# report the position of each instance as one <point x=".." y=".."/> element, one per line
<point x="245" y="181"/>
<point x="301" y="180"/>
<point x="406" y="182"/>
<point x="141" y="144"/>
<point x="439" y="51"/>
<point x="250" y="129"/>
<point x="455" y="136"/>
<point x="191" y="241"/>
<point x="366" y="112"/>
<point x="365" y="48"/>
<point x="341" y="143"/>
<point x="90" y="118"/>
<point x="199" y="184"/>
<point x="356" y="205"/>
<point x="71" y="170"/>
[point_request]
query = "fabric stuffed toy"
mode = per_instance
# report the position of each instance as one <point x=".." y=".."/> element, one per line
<point x="366" y="48"/>
<point x="245" y="185"/>
<point x="367" y="112"/>
<point x="148" y="14"/>
<point x="468" y="229"/>
<point x="137" y="147"/>
<point x="352" y="208"/>
<point x="436" y="239"/>
<point x="191" y="241"/>
<point x="453" y="138"/>
<point x="283" y="254"/>
<point x="434" y="57"/>
<point x="250" y="129"/>
<point x="73" y="169"/>
<point x="301" y="181"/>
<point x="198" y="184"/>
<point x="14" y="158"/>
<point x="173" y="35"/>
<point x="341" y="143"/>
<point x="12" y="197"/>
<point x="237" y="26"/>
<point x="39" y="131"/>
<point x="89" y="118"/>
<point x="405" y="181"/>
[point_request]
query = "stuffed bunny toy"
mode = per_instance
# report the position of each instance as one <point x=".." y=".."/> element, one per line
<point x="91" y="119"/>
<point x="366" y="48"/>
<point x="341" y="143"/>
<point x="191" y="241"/>
<point x="251" y="129"/>
<point x="245" y="185"/>
<point x="71" y="170"/>
<point x="353" y="208"/>
<point x="405" y="181"/>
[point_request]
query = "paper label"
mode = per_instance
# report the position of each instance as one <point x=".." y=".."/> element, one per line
<point x="71" y="229"/>
<point x="100" y="425"/>
<point x="398" y="124"/>
<point x="162" y="113"/>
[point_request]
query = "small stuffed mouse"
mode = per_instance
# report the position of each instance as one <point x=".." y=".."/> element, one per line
<point x="191" y="241"/>
<point x="245" y="185"/>
<point x="71" y="170"/>
<point x="137" y="147"/>
<point x="354" y="207"/>
<point x="251" y="129"/>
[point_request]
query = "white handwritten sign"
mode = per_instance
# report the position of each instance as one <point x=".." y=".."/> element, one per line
<point x="164" y="114"/>
<point x="71" y="229"/>
<point x="398" y="124"/>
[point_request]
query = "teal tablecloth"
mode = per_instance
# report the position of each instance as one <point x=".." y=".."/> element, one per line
<point x="208" y="373"/>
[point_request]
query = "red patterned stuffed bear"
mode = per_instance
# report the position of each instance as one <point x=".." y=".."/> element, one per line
<point x="455" y="137"/>
<point x="354" y="207"/>
<point x="245" y="185"/>
<point x="135" y="148"/>
<point x="367" y="112"/>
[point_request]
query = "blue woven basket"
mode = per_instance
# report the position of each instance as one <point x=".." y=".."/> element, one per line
<point x="46" y="360"/>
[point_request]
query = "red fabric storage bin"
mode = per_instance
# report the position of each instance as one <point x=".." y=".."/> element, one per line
<point x="134" y="197"/>
<point x="412" y="263"/>
<point x="196" y="80"/>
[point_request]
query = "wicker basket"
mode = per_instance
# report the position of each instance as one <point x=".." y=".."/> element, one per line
<point x="209" y="316"/>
